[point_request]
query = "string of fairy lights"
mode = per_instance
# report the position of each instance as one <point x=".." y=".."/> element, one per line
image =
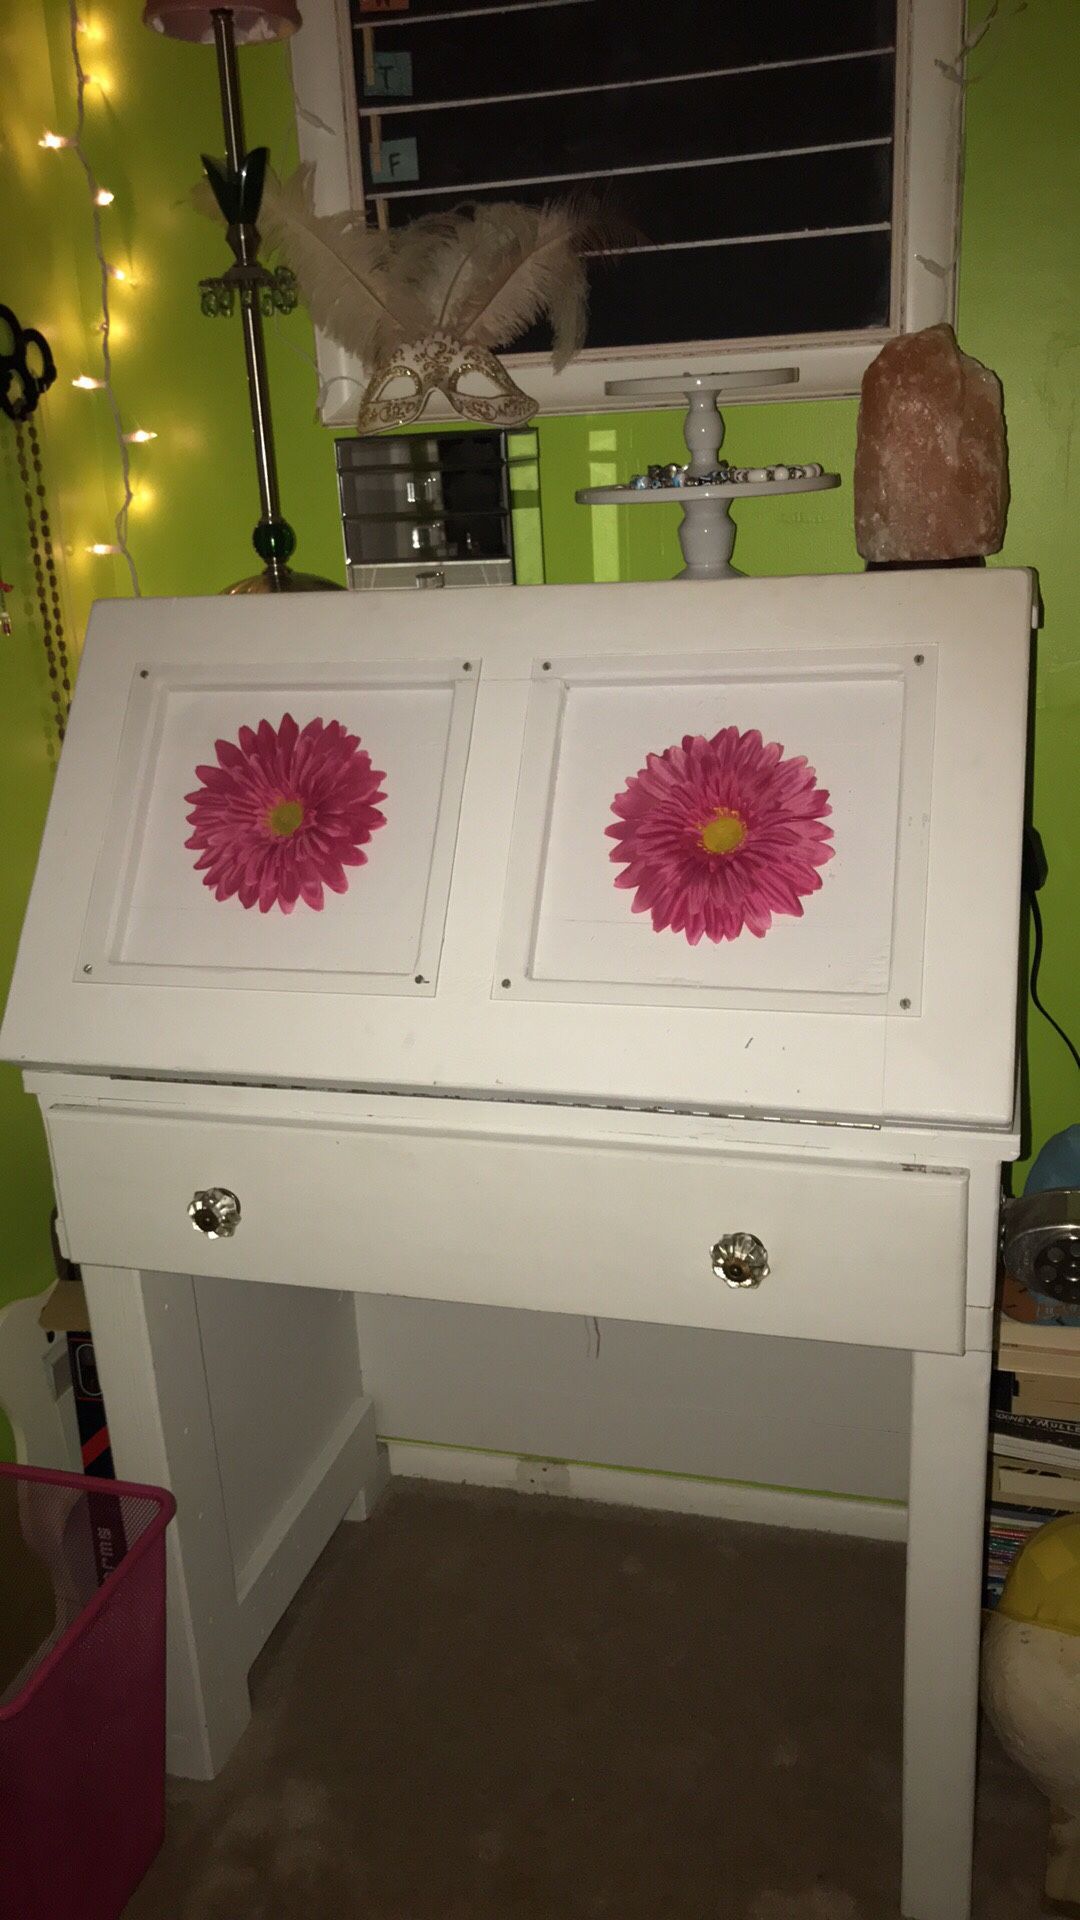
<point x="100" y="199"/>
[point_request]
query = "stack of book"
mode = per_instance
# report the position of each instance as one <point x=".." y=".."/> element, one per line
<point x="1008" y="1529"/>
<point x="1034" y="1426"/>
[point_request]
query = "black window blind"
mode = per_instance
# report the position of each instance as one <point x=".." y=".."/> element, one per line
<point x="744" y="147"/>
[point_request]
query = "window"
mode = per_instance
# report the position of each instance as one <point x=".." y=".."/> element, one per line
<point x="787" y="174"/>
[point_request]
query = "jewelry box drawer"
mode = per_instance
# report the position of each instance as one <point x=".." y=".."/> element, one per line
<point x="622" y="1226"/>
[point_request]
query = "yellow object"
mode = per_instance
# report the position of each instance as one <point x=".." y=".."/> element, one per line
<point x="1043" y="1586"/>
<point x="284" y="818"/>
<point x="723" y="833"/>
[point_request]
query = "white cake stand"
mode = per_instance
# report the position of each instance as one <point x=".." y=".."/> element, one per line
<point x="707" y="532"/>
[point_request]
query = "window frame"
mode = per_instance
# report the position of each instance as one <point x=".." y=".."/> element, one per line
<point x="928" y="135"/>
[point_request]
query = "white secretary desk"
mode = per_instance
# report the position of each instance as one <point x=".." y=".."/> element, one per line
<point x="766" y="1087"/>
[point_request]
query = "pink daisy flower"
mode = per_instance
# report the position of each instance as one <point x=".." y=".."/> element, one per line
<point x="283" y="813"/>
<point x="720" y="834"/>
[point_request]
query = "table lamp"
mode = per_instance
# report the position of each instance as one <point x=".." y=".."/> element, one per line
<point x="237" y="186"/>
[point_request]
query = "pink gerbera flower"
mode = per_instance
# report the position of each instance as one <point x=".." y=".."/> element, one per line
<point x="720" y="834"/>
<point x="283" y="813"/>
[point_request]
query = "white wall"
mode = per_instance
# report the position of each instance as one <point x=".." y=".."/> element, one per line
<point x="664" y="1399"/>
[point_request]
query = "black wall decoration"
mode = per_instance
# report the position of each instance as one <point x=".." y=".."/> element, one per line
<point x="27" y="368"/>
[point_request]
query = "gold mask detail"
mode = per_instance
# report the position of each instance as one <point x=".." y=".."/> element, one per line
<point x="438" y="364"/>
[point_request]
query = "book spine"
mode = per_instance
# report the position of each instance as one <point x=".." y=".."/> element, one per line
<point x="1043" y="1427"/>
<point x="1031" y="1486"/>
<point x="1034" y="1381"/>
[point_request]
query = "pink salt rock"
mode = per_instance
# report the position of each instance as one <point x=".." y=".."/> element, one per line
<point x="931" y="473"/>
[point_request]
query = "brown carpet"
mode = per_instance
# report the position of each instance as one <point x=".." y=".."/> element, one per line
<point x="502" y="1707"/>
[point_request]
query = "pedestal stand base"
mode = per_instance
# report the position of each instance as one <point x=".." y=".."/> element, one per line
<point x="707" y="532"/>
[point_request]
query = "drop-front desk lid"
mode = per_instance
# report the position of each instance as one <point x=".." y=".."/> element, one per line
<point x="750" y="846"/>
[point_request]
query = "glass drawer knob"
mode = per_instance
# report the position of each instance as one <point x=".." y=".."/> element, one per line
<point x="216" y="1212"/>
<point x="740" y="1260"/>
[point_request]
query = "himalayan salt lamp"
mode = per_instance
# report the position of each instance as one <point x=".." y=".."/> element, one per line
<point x="931" y="475"/>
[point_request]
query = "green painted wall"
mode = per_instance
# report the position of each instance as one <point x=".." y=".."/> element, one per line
<point x="181" y="376"/>
<point x="44" y="235"/>
<point x="1020" y="312"/>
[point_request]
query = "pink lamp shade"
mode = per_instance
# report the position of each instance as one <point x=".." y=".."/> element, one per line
<point x="253" y="20"/>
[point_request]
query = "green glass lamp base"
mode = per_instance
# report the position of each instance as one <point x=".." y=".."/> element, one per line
<point x="275" y="542"/>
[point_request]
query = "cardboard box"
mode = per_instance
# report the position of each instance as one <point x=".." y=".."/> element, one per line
<point x="65" y="1309"/>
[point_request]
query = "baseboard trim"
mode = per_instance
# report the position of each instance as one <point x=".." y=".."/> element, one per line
<point x="657" y="1492"/>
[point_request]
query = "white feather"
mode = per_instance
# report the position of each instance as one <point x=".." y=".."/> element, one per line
<point x="517" y="264"/>
<point x="429" y="258"/>
<point x="344" y="269"/>
<point x="485" y="272"/>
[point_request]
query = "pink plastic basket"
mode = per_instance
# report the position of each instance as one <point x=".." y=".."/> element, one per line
<point x="82" y="1726"/>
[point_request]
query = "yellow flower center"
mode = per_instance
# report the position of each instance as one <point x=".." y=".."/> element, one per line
<point x="723" y="833"/>
<point x="284" y="818"/>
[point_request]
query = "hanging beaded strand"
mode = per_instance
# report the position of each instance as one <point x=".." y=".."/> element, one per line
<point x="46" y="583"/>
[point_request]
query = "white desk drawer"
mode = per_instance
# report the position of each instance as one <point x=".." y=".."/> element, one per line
<point x="862" y="1253"/>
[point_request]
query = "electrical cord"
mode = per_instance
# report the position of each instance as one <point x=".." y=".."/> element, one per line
<point x="106" y="314"/>
<point x="1036" y="963"/>
<point x="98" y="199"/>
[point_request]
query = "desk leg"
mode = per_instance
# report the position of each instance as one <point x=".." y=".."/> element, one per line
<point x="149" y="1356"/>
<point x="949" y="1409"/>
